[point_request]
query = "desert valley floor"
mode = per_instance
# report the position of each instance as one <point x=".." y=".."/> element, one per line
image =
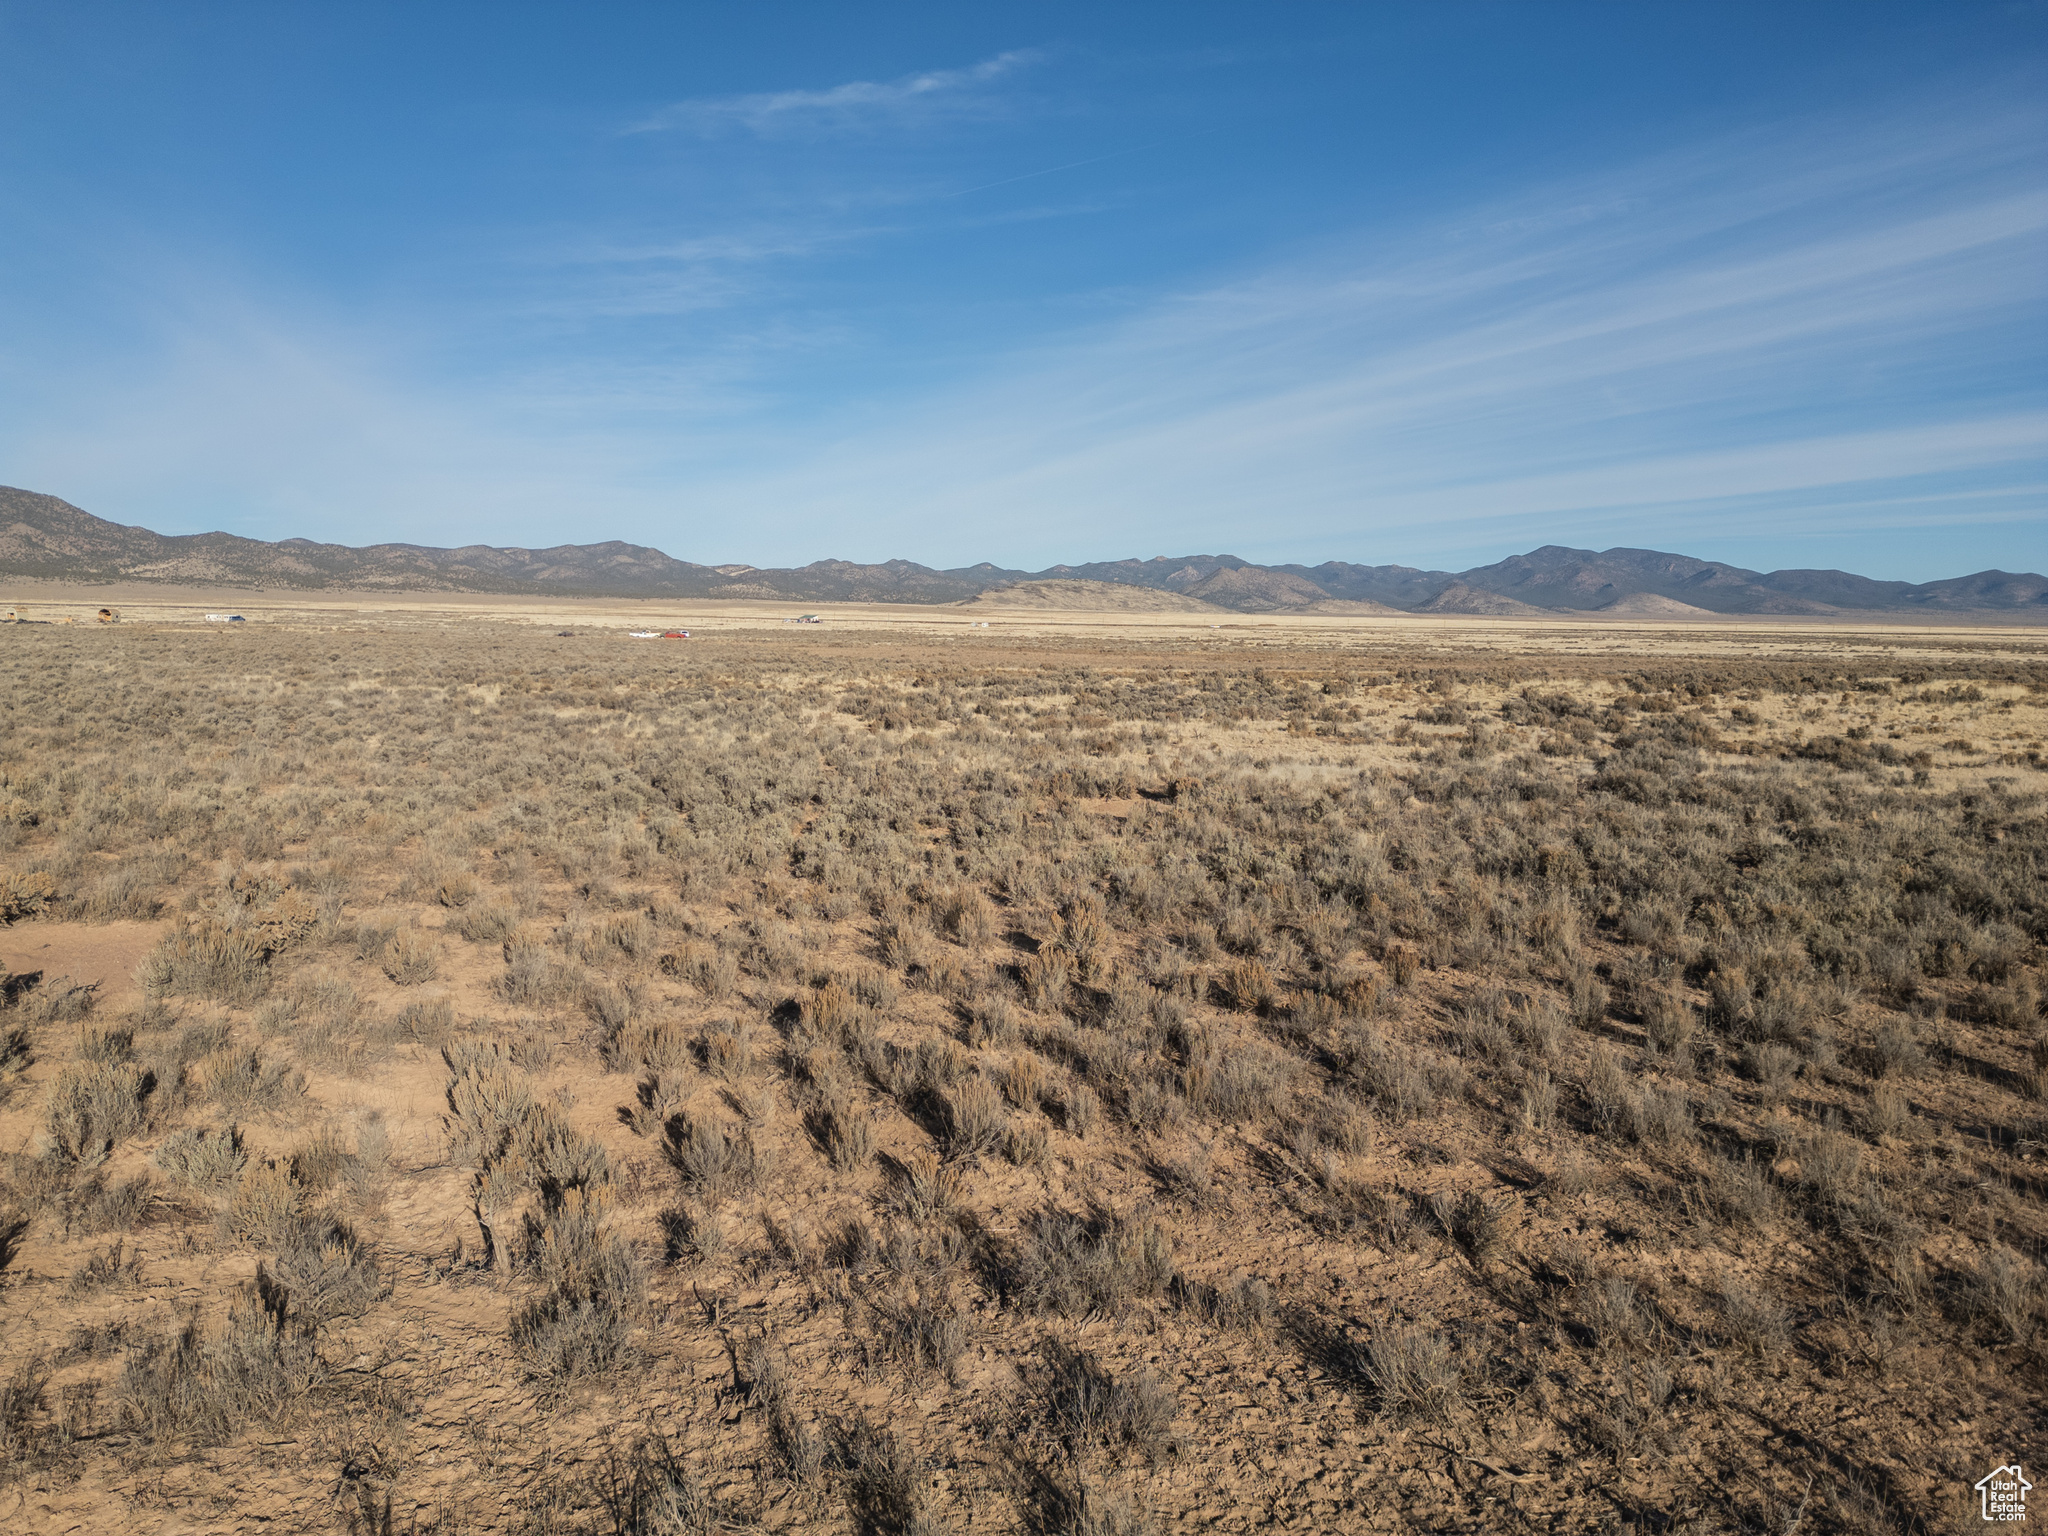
<point x="464" y="1069"/>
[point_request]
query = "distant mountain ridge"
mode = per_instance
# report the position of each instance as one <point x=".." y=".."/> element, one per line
<point x="49" y="539"/>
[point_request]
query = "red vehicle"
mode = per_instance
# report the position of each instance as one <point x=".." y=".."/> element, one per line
<point x="675" y="634"/>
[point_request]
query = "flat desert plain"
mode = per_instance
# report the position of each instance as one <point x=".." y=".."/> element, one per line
<point x="463" y="1069"/>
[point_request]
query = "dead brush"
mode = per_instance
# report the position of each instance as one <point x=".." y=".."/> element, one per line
<point x="843" y="1131"/>
<point x="1080" y="1110"/>
<point x="716" y="1160"/>
<point x="1078" y="1266"/>
<point x="1751" y="1319"/>
<point x="1246" y="985"/>
<point x="93" y="1106"/>
<point x="202" y="1160"/>
<point x="1024" y="1080"/>
<point x="924" y="1189"/>
<point x="649" y="1490"/>
<point x="1414" y="1372"/>
<point x="885" y="1484"/>
<point x="729" y="1051"/>
<point x="965" y="916"/>
<point x="976" y="1125"/>
<point x="1244" y="1305"/>
<point x="1088" y="1407"/>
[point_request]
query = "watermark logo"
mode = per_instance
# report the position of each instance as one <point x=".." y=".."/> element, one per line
<point x="2003" y="1491"/>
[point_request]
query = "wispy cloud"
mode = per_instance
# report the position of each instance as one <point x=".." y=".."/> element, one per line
<point x="934" y="93"/>
<point x="1796" y="333"/>
<point x="1807" y="318"/>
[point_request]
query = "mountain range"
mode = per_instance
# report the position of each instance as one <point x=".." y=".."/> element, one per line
<point x="48" y="539"/>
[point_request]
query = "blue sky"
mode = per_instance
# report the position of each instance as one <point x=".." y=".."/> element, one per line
<point x="1426" y="283"/>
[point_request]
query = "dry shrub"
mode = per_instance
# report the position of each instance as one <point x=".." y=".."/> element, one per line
<point x="843" y="1131"/>
<point x="205" y="1160"/>
<point x="729" y="1051"/>
<point x="649" y="1491"/>
<point x="885" y="1484"/>
<point x="1075" y="1266"/>
<point x="924" y="1189"/>
<point x="716" y="1159"/>
<point x="202" y="1388"/>
<point x="92" y="1106"/>
<point x="1089" y="1406"/>
<point x="1751" y="1319"/>
<point x="976" y="1125"/>
<point x="1414" y="1371"/>
<point x="25" y="893"/>
<point x="1246" y="985"/>
<point x="1024" y="1080"/>
<point x="1080" y="1110"/>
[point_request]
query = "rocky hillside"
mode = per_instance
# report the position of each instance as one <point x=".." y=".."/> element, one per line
<point x="43" y="537"/>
